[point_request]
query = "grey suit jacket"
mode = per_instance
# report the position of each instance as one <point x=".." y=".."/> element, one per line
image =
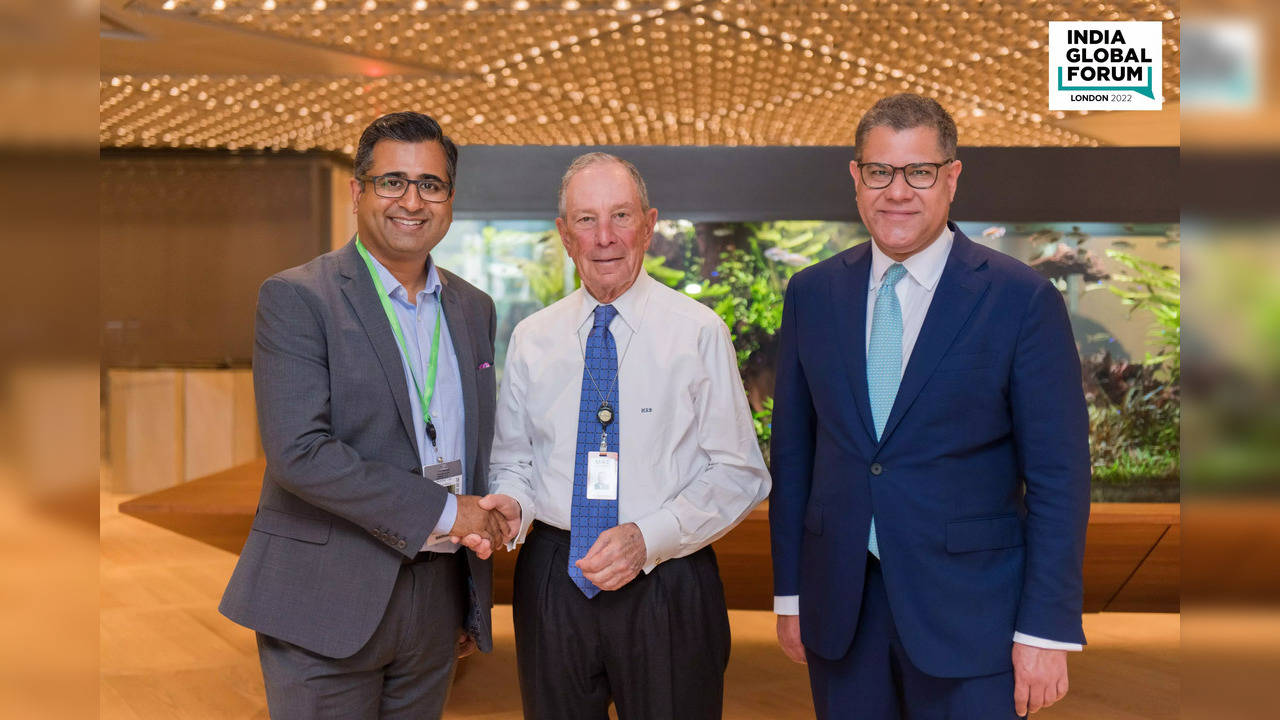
<point x="343" y="502"/>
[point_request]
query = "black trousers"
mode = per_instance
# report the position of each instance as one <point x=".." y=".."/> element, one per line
<point x="657" y="647"/>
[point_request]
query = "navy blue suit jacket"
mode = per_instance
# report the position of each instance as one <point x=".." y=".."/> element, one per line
<point x="979" y="485"/>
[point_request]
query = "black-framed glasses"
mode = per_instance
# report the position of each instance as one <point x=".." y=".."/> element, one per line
<point x="394" y="186"/>
<point x="920" y="176"/>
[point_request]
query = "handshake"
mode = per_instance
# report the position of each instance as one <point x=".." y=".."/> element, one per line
<point x="484" y="523"/>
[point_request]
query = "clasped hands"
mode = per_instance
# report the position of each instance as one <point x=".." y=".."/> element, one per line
<point x="484" y="523"/>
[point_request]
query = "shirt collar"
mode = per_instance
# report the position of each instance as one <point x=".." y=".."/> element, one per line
<point x="630" y="305"/>
<point x="925" y="267"/>
<point x="396" y="291"/>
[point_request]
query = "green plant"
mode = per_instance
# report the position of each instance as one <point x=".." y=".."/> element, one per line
<point x="1135" y="412"/>
<point x="746" y="289"/>
<point x="545" y="269"/>
<point x="1157" y="289"/>
<point x="655" y="265"/>
<point x="763" y="421"/>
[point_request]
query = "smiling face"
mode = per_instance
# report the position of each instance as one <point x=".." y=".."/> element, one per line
<point x="903" y="220"/>
<point x="400" y="231"/>
<point x="605" y="230"/>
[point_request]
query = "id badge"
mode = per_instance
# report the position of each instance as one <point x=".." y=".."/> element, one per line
<point x="602" y="476"/>
<point x="447" y="475"/>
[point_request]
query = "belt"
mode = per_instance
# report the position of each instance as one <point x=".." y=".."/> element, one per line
<point x="550" y="532"/>
<point x="425" y="556"/>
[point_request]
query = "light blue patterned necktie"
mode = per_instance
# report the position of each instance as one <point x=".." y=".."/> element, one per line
<point x="589" y="518"/>
<point x="884" y="360"/>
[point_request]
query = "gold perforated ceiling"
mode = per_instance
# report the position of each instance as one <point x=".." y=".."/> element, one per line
<point x="575" y="72"/>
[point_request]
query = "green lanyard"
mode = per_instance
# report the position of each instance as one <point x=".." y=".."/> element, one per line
<point x="424" y="394"/>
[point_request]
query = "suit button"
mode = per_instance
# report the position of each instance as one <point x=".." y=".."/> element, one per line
<point x="400" y="544"/>
<point x="876" y="468"/>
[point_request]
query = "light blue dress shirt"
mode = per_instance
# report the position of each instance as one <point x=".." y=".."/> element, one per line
<point x="417" y="322"/>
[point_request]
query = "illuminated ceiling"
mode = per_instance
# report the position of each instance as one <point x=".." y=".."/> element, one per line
<point x="310" y="74"/>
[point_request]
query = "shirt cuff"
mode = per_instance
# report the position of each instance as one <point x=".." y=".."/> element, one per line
<point x="448" y="516"/>
<point x="526" y="512"/>
<point x="786" y="604"/>
<point x="438" y="540"/>
<point x="661" y="533"/>
<point x="1044" y="644"/>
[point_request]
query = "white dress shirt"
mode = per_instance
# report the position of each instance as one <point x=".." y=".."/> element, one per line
<point x="689" y="466"/>
<point x="915" y="293"/>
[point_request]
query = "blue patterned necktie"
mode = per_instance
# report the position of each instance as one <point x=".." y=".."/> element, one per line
<point x="884" y="360"/>
<point x="589" y="518"/>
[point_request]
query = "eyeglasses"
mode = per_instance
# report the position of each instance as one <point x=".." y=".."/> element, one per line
<point x="920" y="176"/>
<point x="394" y="186"/>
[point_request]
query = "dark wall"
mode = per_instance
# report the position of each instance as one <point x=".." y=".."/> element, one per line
<point x="813" y="183"/>
<point x="186" y="239"/>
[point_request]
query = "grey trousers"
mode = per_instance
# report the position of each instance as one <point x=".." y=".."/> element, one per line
<point x="405" y="669"/>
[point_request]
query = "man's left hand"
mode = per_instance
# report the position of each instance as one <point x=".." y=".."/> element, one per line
<point x="466" y="643"/>
<point x="1039" y="677"/>
<point x="616" y="557"/>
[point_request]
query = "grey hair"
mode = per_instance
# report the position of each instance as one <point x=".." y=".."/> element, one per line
<point x="586" y="160"/>
<point x="904" y="112"/>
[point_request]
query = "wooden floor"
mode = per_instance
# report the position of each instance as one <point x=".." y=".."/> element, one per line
<point x="167" y="654"/>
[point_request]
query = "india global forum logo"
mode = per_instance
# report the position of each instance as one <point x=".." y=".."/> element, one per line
<point x="1106" y="66"/>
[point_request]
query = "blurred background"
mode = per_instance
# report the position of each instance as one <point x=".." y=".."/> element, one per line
<point x="49" y="359"/>
<point x="218" y="154"/>
<point x="1231" y="260"/>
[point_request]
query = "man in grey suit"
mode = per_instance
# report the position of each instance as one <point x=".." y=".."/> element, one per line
<point x="374" y="376"/>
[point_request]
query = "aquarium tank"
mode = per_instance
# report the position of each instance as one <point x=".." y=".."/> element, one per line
<point x="1120" y="282"/>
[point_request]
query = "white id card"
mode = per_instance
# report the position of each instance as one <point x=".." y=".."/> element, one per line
<point x="447" y="475"/>
<point x="602" y="476"/>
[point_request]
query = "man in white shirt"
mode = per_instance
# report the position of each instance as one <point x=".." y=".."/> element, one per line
<point x="623" y="447"/>
<point x="930" y="455"/>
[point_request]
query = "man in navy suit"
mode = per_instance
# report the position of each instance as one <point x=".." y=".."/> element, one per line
<point x="930" y="455"/>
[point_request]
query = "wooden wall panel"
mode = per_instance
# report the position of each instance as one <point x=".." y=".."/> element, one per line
<point x="1154" y="585"/>
<point x="1112" y="552"/>
<point x="187" y="238"/>
<point x="145" y="429"/>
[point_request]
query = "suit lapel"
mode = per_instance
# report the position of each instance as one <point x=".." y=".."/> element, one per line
<point x="959" y="290"/>
<point x="849" y="304"/>
<point x="460" y="332"/>
<point x="357" y="286"/>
